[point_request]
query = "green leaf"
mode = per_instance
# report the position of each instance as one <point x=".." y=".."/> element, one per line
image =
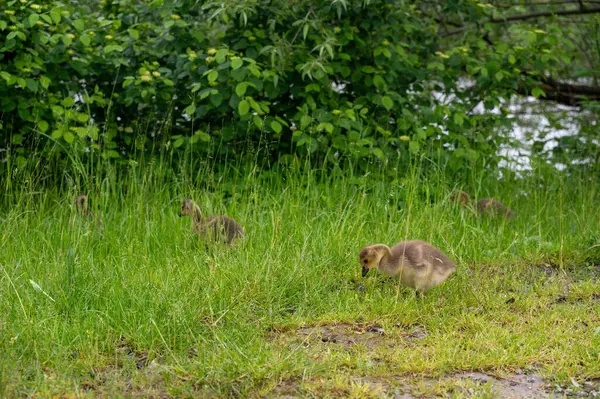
<point x="168" y="82"/>
<point x="236" y="63"/>
<point x="17" y="139"/>
<point x="276" y="126"/>
<point x="85" y="39"/>
<point x="45" y="82"/>
<point x="78" y="24"/>
<point x="258" y="122"/>
<point x="21" y="161"/>
<point x="69" y="137"/>
<point x="387" y="102"/>
<point x="436" y="65"/>
<point x="243" y="107"/>
<point x="255" y="106"/>
<point x="32" y="85"/>
<point x="379" y="82"/>
<point x="212" y="76"/>
<point x="178" y="143"/>
<point x="368" y="69"/>
<point x="216" y="99"/>
<point x="458" y="119"/>
<point x="378" y="153"/>
<point x="58" y="133"/>
<point x="66" y="40"/>
<point x="67" y="102"/>
<point x="43" y="126"/>
<point x="32" y="19"/>
<point x="537" y="92"/>
<point x="3" y="25"/>
<point x="254" y="70"/>
<point x="112" y="47"/>
<point x="305" y="121"/>
<point x="55" y="16"/>
<point x="511" y="59"/>
<point x="135" y="34"/>
<point x="190" y="110"/>
<point x="221" y="55"/>
<point x="240" y="89"/>
<point x="414" y="147"/>
<point x="93" y="132"/>
<point x="202" y="136"/>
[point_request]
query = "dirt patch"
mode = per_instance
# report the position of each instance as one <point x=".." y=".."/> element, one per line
<point x="469" y="384"/>
<point x="347" y="335"/>
<point x="105" y="381"/>
<point x="510" y="386"/>
<point x="129" y="350"/>
<point x="595" y="297"/>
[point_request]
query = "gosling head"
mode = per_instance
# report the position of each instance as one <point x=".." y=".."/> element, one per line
<point x="368" y="259"/>
<point x="461" y="197"/>
<point x="81" y="203"/>
<point x="187" y="208"/>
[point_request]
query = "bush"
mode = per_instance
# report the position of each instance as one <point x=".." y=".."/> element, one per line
<point x="339" y="79"/>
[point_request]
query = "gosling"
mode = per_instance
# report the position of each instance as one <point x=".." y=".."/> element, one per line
<point x="81" y="203"/>
<point x="461" y="197"/>
<point x="216" y="228"/>
<point x="492" y="207"/>
<point x="417" y="264"/>
<point x="484" y="207"/>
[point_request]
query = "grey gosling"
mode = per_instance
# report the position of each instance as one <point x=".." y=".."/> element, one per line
<point x="216" y="228"/>
<point x="81" y="203"/>
<point x="484" y="207"/>
<point x="417" y="264"/>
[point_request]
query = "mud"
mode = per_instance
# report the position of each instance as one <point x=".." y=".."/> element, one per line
<point x="461" y="384"/>
<point x="347" y="335"/>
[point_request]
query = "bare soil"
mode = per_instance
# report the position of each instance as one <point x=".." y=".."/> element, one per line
<point x="344" y="336"/>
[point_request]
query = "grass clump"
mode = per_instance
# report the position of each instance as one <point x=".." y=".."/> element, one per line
<point x="148" y="309"/>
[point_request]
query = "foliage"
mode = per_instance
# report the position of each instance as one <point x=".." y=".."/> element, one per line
<point x="340" y="79"/>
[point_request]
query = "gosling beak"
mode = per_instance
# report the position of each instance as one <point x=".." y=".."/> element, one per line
<point x="365" y="270"/>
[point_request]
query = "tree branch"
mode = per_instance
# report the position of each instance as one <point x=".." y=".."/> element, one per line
<point x="564" y="93"/>
<point x="550" y="3"/>
<point x="524" y="17"/>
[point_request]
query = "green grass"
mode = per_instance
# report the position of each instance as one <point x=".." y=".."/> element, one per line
<point x="205" y="321"/>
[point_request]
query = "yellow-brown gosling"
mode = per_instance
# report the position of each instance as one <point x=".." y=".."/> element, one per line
<point x="217" y="228"/>
<point x="461" y="197"/>
<point x="484" y="207"/>
<point x="416" y="263"/>
<point x="492" y="207"/>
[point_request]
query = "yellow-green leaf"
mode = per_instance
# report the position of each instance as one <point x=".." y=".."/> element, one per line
<point x="243" y="107"/>
<point x="85" y="39"/>
<point x="69" y="137"/>
<point x="276" y="126"/>
<point x="387" y="102"/>
<point x="43" y="126"/>
<point x="240" y="89"/>
<point x="236" y="63"/>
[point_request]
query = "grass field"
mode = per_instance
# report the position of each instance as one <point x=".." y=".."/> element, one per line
<point x="147" y="309"/>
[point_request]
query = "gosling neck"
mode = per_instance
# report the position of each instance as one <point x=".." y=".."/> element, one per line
<point x="197" y="214"/>
<point x="384" y="253"/>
